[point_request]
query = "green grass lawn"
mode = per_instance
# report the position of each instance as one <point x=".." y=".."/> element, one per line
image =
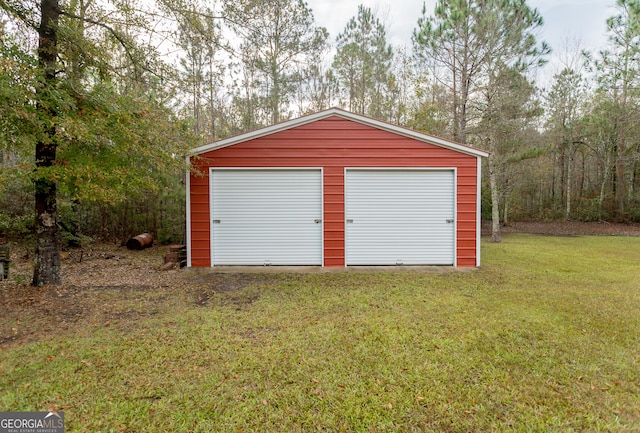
<point x="545" y="337"/>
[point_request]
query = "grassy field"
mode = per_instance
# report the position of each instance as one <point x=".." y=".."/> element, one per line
<point x="545" y="337"/>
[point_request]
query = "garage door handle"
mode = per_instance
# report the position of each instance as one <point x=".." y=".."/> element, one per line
<point x="216" y="221"/>
<point x="350" y="221"/>
<point x="317" y="221"/>
<point x="449" y="221"/>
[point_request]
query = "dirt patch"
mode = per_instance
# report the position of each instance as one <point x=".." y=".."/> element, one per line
<point x="107" y="285"/>
<point x="231" y="286"/>
<point x="568" y="228"/>
<point x="227" y="282"/>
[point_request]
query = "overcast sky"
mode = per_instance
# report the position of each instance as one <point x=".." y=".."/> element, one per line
<point x="564" y="20"/>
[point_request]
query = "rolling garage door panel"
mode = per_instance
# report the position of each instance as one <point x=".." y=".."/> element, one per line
<point x="266" y="217"/>
<point x="400" y="217"/>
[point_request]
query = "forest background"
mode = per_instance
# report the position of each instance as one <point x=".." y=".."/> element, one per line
<point x="100" y="101"/>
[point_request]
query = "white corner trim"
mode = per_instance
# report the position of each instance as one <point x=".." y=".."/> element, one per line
<point x="478" y="211"/>
<point x="188" y="210"/>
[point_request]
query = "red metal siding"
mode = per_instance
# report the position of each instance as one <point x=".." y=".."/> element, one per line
<point x="335" y="144"/>
<point x="200" y="220"/>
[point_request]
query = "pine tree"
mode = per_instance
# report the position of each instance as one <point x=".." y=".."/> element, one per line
<point x="362" y="65"/>
<point x="277" y="39"/>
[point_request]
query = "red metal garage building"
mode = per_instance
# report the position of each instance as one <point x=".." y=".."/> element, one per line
<point x="334" y="189"/>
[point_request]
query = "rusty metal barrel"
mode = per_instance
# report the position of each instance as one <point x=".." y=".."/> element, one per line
<point x="140" y="242"/>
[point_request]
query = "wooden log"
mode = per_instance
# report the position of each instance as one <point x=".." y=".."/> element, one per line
<point x="171" y="257"/>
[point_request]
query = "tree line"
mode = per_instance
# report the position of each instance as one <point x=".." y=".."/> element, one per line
<point x="100" y="101"/>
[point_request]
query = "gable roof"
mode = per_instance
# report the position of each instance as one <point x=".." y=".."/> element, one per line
<point x="447" y="144"/>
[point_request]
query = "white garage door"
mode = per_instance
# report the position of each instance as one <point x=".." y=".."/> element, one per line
<point x="266" y="217"/>
<point x="400" y="217"/>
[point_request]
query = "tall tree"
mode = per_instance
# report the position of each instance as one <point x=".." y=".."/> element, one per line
<point x="618" y="75"/>
<point x="93" y="136"/>
<point x="564" y="102"/>
<point x="200" y="38"/>
<point x="509" y="109"/>
<point x="277" y="39"/>
<point x="47" y="257"/>
<point x="316" y="89"/>
<point x="469" y="44"/>
<point x="465" y="39"/>
<point x="601" y="135"/>
<point x="447" y="41"/>
<point x="363" y="64"/>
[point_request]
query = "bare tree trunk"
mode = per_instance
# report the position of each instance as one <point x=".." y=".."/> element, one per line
<point x="505" y="209"/>
<point x="456" y="114"/>
<point x="562" y="187"/>
<point x="195" y="88"/>
<point x="212" y="108"/>
<point x="635" y="168"/>
<point x="603" y="185"/>
<point x="275" y="96"/>
<point x="47" y="254"/>
<point x="567" y="215"/>
<point x="621" y="185"/>
<point x="496" y="236"/>
<point x="583" y="173"/>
